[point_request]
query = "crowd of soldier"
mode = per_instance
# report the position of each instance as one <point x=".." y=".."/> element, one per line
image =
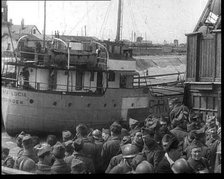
<point x="179" y="143"/>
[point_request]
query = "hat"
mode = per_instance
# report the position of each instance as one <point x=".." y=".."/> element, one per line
<point x="51" y="140"/>
<point x="58" y="150"/>
<point x="97" y="134"/>
<point x="195" y="144"/>
<point x="43" y="150"/>
<point x="27" y="140"/>
<point x="5" y="150"/>
<point x="152" y="123"/>
<point x="66" y="135"/>
<point x="78" y="144"/>
<point x="200" y="133"/>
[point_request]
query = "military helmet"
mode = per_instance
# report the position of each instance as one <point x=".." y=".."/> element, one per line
<point x="180" y="166"/>
<point x="97" y="134"/>
<point x="144" y="167"/>
<point x="129" y="150"/>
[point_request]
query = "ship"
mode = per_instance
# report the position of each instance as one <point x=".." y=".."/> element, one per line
<point x="51" y="84"/>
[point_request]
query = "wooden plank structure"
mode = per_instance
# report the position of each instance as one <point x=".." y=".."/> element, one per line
<point x="203" y="73"/>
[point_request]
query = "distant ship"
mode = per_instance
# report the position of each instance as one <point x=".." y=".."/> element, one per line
<point x="52" y="85"/>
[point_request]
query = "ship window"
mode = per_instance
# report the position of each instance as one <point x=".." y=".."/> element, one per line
<point x="34" y="31"/>
<point x="9" y="46"/>
<point x="115" y="105"/>
<point x="111" y="76"/>
<point x="55" y="103"/>
<point x="105" y="105"/>
<point x="78" y="80"/>
<point x="92" y="76"/>
<point x="69" y="104"/>
<point x="31" y="101"/>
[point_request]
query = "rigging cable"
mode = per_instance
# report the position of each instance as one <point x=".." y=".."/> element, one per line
<point x="81" y="19"/>
<point x="105" y="17"/>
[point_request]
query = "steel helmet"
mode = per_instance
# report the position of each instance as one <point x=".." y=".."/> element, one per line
<point x="180" y="166"/>
<point x="96" y="134"/>
<point x="144" y="167"/>
<point x="129" y="150"/>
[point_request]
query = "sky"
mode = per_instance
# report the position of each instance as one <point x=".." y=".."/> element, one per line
<point x="154" y="20"/>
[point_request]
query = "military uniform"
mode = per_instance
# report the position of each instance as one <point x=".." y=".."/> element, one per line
<point x="198" y="165"/>
<point x="98" y="163"/>
<point x="81" y="160"/>
<point x="179" y="133"/>
<point x="110" y="149"/>
<point x="43" y="168"/>
<point x="113" y="162"/>
<point x="8" y="162"/>
<point x="122" y="168"/>
<point x="60" y="167"/>
<point x="153" y="154"/>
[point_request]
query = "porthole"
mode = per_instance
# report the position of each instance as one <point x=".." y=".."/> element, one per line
<point x="88" y="105"/>
<point x="69" y="104"/>
<point x="115" y="105"/>
<point x="132" y="104"/>
<point x="55" y="103"/>
<point x="31" y="101"/>
<point x="105" y="105"/>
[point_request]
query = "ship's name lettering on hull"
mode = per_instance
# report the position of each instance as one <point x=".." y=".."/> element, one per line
<point x="14" y="93"/>
<point x="13" y="101"/>
<point x="158" y="106"/>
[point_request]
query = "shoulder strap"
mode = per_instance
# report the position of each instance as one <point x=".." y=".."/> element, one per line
<point x="171" y="162"/>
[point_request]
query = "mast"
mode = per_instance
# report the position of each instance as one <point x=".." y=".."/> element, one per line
<point x="44" y="23"/>
<point x="118" y="22"/>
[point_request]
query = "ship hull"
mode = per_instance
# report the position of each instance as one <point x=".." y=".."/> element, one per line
<point x="52" y="112"/>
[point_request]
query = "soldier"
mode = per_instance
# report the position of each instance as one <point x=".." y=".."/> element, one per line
<point x="144" y="167"/>
<point x="112" y="146"/>
<point x="98" y="141"/>
<point x="196" y="161"/>
<point x="19" y="139"/>
<point x="36" y="143"/>
<point x="81" y="163"/>
<point x="151" y="150"/>
<point x="138" y="140"/>
<point x="176" y="108"/>
<point x="7" y="160"/>
<point x="89" y="148"/>
<point x="134" y="126"/>
<point x="129" y="151"/>
<point x="105" y="134"/>
<point x="115" y="160"/>
<point x="212" y="144"/>
<point x="68" y="152"/>
<point x="45" y="159"/>
<point x="51" y="140"/>
<point x="170" y="146"/>
<point x="27" y="160"/>
<point x="188" y="139"/>
<point x="59" y="166"/>
<point x="180" y="131"/>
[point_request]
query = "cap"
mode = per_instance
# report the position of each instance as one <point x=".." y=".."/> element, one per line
<point x="58" y="150"/>
<point x="195" y="144"/>
<point x="124" y="132"/>
<point x="66" y="135"/>
<point x="97" y="134"/>
<point x="27" y="139"/>
<point x="43" y="150"/>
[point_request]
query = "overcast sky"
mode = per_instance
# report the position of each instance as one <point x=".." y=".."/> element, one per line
<point x="155" y="20"/>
